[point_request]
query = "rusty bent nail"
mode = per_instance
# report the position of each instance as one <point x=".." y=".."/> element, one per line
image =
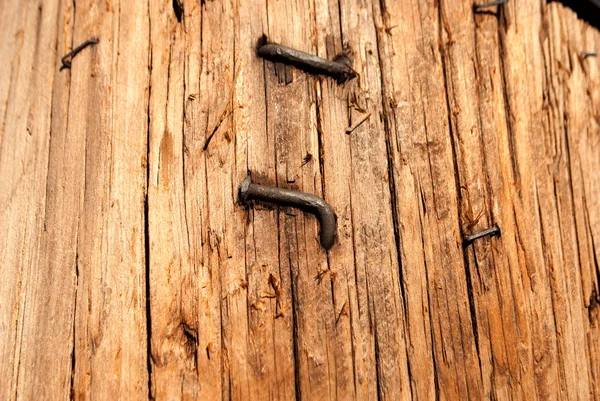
<point x="489" y="4"/>
<point x="68" y="58"/>
<point x="306" y="202"/>
<point x="584" y="55"/>
<point x="339" y="68"/>
<point x="493" y="232"/>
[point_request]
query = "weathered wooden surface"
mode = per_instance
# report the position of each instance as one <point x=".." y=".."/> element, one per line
<point x="129" y="270"/>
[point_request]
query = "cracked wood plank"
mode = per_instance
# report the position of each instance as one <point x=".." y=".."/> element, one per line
<point x="130" y="269"/>
<point x="292" y="123"/>
<point x="173" y="361"/>
<point x="583" y="150"/>
<point x="481" y="140"/>
<point x="110" y="320"/>
<point x="37" y="251"/>
<point x="416" y="91"/>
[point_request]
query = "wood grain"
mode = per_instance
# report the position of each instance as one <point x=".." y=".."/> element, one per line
<point x="130" y="269"/>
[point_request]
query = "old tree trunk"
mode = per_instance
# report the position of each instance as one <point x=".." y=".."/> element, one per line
<point x="130" y="270"/>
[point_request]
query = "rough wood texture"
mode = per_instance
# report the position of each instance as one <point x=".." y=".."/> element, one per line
<point x="130" y="270"/>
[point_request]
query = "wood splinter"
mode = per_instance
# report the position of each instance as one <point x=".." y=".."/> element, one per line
<point x="364" y="118"/>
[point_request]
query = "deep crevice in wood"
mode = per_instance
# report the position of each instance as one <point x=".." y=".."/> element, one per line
<point x="149" y="359"/>
<point x="460" y="202"/>
<point x="178" y="9"/>
<point x="390" y="114"/>
<point x="73" y="355"/>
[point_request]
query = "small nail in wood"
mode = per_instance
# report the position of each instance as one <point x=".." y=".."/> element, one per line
<point x="68" y="58"/>
<point x="584" y="55"/>
<point x="489" y="4"/>
<point x="492" y="232"/>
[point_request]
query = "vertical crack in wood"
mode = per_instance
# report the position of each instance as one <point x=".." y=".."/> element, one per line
<point x="294" y="327"/>
<point x="339" y="7"/>
<point x="502" y="27"/>
<point x="23" y="310"/>
<point x="451" y="131"/>
<point x="148" y="299"/>
<point x="478" y="64"/>
<point x="429" y="313"/>
<point x="73" y="355"/>
<point x="593" y="244"/>
<point x="462" y="212"/>
<point x="388" y="113"/>
<point x="74" y="344"/>
<point x="146" y="217"/>
<point x="376" y="350"/>
<point x="321" y="151"/>
<point x="178" y="9"/>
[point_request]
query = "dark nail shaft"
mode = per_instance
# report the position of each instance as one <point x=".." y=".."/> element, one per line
<point x="493" y="232"/>
<point x="585" y="55"/>
<point x="339" y="69"/>
<point x="67" y="58"/>
<point x="306" y="202"/>
<point x="490" y="4"/>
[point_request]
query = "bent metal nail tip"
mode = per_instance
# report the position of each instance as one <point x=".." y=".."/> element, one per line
<point x="301" y="200"/>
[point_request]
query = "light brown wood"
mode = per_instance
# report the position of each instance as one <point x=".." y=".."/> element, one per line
<point x="130" y="270"/>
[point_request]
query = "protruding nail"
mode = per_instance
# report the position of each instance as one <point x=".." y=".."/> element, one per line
<point x="493" y="232"/>
<point x="340" y="68"/>
<point x="584" y="55"/>
<point x="68" y="58"/>
<point x="306" y="202"/>
<point x="477" y="7"/>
